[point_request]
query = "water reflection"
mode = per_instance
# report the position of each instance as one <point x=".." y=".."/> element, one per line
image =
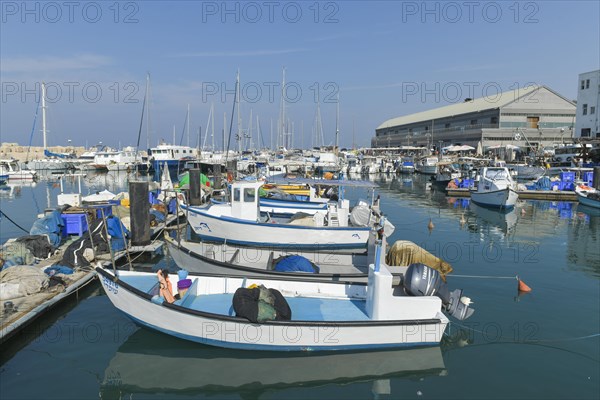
<point x="498" y="223"/>
<point x="149" y="362"/>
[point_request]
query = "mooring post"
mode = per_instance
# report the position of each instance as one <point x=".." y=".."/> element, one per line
<point x="218" y="176"/>
<point x="596" y="181"/>
<point x="140" y="217"/>
<point x="195" y="188"/>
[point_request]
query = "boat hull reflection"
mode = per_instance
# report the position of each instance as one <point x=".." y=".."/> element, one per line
<point x="148" y="362"/>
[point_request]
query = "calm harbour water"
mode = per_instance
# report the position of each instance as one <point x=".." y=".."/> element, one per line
<point x="543" y="344"/>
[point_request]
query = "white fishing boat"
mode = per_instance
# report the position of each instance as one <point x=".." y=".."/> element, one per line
<point x="12" y="171"/>
<point x="494" y="187"/>
<point x="240" y="222"/>
<point x="346" y="316"/>
<point x="427" y="165"/>
<point x="588" y="196"/>
<point x="175" y="156"/>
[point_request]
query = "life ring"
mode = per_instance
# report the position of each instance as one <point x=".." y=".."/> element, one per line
<point x="569" y="159"/>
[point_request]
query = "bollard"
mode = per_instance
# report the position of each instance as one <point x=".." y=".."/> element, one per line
<point x="139" y="207"/>
<point x="218" y="177"/>
<point x="195" y="189"/>
<point x="596" y="181"/>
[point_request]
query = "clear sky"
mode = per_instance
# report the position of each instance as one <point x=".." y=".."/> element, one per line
<point x="384" y="58"/>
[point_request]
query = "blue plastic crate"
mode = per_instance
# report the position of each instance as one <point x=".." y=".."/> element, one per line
<point x="74" y="224"/>
<point x="567" y="176"/>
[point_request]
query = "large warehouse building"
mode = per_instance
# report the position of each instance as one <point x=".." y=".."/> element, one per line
<point x="527" y="117"/>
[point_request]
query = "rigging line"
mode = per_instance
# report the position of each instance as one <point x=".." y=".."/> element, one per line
<point x="533" y="340"/>
<point x="37" y="108"/>
<point x="137" y="146"/>
<point x="484" y="276"/>
<point x="231" y="125"/>
<point x="17" y="225"/>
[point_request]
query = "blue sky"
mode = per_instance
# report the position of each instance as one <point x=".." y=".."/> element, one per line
<point x="385" y="59"/>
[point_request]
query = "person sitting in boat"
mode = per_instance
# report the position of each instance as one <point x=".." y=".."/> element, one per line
<point x="165" y="287"/>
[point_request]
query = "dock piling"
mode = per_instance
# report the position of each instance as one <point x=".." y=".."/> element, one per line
<point x="195" y="189"/>
<point x="140" y="216"/>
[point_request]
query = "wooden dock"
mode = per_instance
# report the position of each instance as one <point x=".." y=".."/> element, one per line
<point x="526" y="194"/>
<point x="28" y="308"/>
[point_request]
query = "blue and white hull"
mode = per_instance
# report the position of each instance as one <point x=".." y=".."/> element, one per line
<point x="219" y="228"/>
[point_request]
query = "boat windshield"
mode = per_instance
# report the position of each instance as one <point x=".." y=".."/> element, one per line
<point x="495" y="174"/>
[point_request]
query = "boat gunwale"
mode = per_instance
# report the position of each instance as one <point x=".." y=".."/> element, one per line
<point x="226" y="318"/>
<point x="242" y="268"/>
<point x="266" y="224"/>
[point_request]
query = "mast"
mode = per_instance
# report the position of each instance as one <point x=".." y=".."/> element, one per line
<point x="44" y="115"/>
<point x="282" y="127"/>
<point x="337" y="123"/>
<point x="147" y="110"/>
<point x="188" y="125"/>
<point x="239" y="115"/>
<point x="212" y="127"/>
<point x="224" y="125"/>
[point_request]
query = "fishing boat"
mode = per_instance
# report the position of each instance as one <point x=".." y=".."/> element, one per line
<point x="588" y="196"/>
<point x="240" y="222"/>
<point x="175" y="156"/>
<point x="12" y="171"/>
<point x="222" y="258"/>
<point x="427" y="165"/>
<point x="494" y="188"/>
<point x="307" y="315"/>
<point x="133" y="368"/>
<point x="407" y="166"/>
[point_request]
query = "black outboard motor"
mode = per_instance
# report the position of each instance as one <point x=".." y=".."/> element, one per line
<point x="421" y="280"/>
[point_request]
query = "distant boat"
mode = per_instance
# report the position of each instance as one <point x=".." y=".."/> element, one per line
<point x="588" y="196"/>
<point x="495" y="188"/>
<point x="10" y="170"/>
<point x="52" y="161"/>
<point x="174" y="156"/>
<point x="427" y="165"/>
<point x="350" y="316"/>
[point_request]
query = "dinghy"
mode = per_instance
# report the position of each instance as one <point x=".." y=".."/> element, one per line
<point x="495" y="188"/>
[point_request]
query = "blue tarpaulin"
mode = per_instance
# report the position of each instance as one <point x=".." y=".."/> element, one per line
<point x="51" y="225"/>
<point x="296" y="263"/>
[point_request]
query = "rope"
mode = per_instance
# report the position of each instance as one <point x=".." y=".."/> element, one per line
<point x="17" y="225"/>
<point x="483" y="276"/>
<point x="535" y="340"/>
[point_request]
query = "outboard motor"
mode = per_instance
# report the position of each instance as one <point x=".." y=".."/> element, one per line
<point x="421" y="280"/>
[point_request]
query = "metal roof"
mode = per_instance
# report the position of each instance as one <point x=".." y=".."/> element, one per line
<point x="481" y="104"/>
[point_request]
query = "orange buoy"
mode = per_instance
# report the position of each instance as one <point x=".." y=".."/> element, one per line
<point x="430" y="226"/>
<point x="523" y="287"/>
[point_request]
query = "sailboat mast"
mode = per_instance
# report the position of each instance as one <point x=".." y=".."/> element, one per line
<point x="337" y="123"/>
<point x="188" y="125"/>
<point x="44" y="114"/>
<point x="212" y="126"/>
<point x="147" y="111"/>
<point x="239" y="115"/>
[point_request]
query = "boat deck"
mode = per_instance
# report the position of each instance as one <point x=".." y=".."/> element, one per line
<point x="303" y="308"/>
<point x="526" y="194"/>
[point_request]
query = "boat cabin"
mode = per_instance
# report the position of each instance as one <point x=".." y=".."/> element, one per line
<point x="244" y="200"/>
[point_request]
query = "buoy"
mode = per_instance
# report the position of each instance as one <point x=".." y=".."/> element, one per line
<point x="523" y="287"/>
<point x="430" y="226"/>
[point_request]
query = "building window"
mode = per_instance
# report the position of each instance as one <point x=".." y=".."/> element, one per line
<point x="585" y="132"/>
<point x="582" y="85"/>
<point x="584" y="112"/>
<point x="473" y="122"/>
<point x="587" y="83"/>
<point x="592" y="110"/>
<point x="494" y="120"/>
<point x="447" y="125"/>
